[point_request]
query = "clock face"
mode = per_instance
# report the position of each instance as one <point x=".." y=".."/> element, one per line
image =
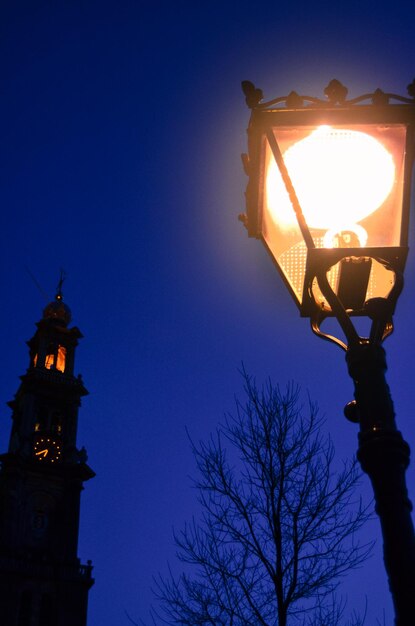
<point x="47" y="449"/>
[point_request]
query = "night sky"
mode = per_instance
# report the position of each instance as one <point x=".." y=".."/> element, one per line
<point x="122" y="125"/>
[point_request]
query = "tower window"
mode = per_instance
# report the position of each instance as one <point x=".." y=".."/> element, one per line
<point x="61" y="359"/>
<point x="56" y="423"/>
<point x="42" y="419"/>
<point x="56" y="360"/>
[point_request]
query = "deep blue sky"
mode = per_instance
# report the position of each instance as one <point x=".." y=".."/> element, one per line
<point x="122" y="125"/>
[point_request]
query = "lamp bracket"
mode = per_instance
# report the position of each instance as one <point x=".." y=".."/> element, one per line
<point x="379" y="310"/>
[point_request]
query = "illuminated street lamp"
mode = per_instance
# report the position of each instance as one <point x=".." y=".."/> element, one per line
<point x="329" y="196"/>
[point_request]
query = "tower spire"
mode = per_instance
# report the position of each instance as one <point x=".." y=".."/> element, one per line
<point x="59" y="294"/>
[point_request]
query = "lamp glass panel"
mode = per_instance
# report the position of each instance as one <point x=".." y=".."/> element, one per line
<point x="349" y="182"/>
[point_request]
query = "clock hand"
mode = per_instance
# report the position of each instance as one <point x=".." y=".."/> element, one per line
<point x="43" y="453"/>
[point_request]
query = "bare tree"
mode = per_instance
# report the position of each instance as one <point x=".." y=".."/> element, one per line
<point x="278" y="526"/>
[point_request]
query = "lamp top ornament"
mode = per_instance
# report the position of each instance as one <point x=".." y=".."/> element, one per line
<point x="335" y="92"/>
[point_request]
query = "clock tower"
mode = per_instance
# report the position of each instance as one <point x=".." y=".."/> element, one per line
<point x="42" y="582"/>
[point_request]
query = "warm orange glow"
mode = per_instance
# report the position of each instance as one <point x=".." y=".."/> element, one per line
<point x="349" y="182"/>
<point x="341" y="176"/>
<point x="60" y="360"/>
<point x="60" y="364"/>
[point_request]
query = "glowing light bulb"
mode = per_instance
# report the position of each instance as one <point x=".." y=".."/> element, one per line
<point x="341" y="176"/>
<point x="350" y="236"/>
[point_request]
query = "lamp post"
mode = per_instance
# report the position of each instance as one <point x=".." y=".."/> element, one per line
<point x="329" y="196"/>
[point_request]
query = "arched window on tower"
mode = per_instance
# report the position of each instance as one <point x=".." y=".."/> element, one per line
<point x="42" y="419"/>
<point x="50" y="357"/>
<point x="56" y="423"/>
<point x="61" y="359"/>
<point x="56" y="358"/>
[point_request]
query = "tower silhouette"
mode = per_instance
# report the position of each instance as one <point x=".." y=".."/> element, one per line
<point x="42" y="582"/>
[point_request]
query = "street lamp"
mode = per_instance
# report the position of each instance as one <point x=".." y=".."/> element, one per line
<point x="329" y="196"/>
